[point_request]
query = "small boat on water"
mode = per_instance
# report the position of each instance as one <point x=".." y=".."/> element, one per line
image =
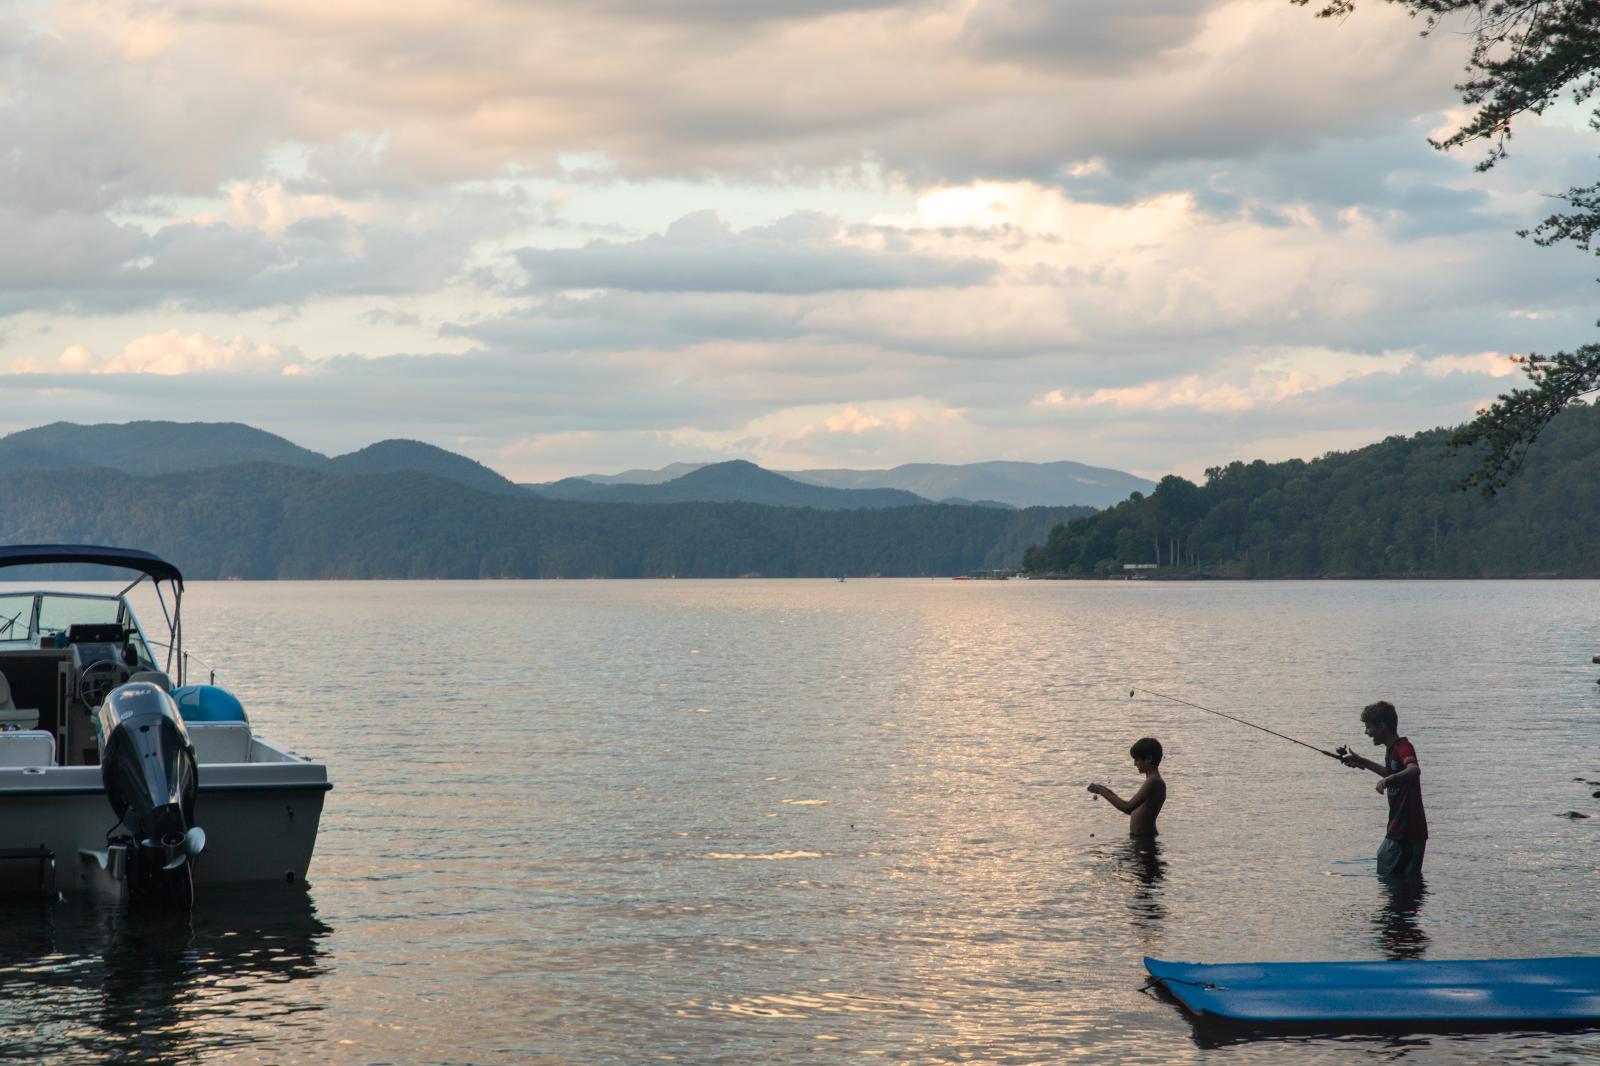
<point x="100" y="724"/>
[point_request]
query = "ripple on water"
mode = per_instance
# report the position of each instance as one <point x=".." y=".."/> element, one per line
<point x="611" y="822"/>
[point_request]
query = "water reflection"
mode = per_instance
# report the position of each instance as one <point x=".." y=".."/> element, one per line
<point x="957" y="909"/>
<point x="1393" y="1042"/>
<point x="100" y="979"/>
<point x="1314" y="1042"/>
<point x="1141" y="865"/>
<point x="1399" y="932"/>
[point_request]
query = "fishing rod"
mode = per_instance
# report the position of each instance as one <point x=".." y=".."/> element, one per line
<point x="1342" y="752"/>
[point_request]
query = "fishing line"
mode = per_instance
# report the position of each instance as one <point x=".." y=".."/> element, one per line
<point x="1241" y="721"/>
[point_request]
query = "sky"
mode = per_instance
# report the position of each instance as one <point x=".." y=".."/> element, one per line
<point x="580" y="236"/>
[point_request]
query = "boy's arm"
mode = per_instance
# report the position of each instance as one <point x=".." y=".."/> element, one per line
<point x="1126" y="806"/>
<point x="1110" y="797"/>
<point x="1406" y="773"/>
<point x="1353" y="760"/>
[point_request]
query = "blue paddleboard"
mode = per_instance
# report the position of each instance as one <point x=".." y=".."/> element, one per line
<point x="1463" y="990"/>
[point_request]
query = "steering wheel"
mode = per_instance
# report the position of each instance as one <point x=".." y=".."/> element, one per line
<point x="98" y="679"/>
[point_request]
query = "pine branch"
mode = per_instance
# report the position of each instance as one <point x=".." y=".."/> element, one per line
<point x="1510" y="426"/>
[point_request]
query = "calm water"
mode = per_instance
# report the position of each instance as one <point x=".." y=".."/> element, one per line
<point x="811" y="821"/>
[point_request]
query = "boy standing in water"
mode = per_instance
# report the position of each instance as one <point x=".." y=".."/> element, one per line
<point x="1143" y="806"/>
<point x="1400" y="854"/>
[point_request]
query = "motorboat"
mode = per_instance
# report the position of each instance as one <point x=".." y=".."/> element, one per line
<point x="100" y="724"/>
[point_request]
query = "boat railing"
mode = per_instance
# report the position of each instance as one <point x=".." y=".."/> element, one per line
<point x="186" y="658"/>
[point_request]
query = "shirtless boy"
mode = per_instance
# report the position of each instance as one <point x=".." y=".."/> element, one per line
<point x="1143" y="806"/>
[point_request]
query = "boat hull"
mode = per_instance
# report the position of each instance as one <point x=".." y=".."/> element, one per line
<point x="260" y="822"/>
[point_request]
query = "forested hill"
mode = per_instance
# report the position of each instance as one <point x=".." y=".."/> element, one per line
<point x="412" y="456"/>
<point x="1388" y="510"/>
<point x="149" y="447"/>
<point x="268" y="520"/>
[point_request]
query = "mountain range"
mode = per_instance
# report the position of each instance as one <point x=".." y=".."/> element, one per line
<point x="153" y="448"/>
<point x="232" y="501"/>
<point x="227" y="500"/>
<point x="735" y="481"/>
<point x="1002" y="484"/>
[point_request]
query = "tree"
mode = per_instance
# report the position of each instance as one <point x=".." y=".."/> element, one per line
<point x="1526" y="55"/>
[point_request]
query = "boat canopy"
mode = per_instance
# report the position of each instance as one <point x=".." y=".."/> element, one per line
<point x="128" y="558"/>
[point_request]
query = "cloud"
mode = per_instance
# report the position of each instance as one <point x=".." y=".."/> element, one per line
<point x="736" y="12"/>
<point x="1136" y="234"/>
<point x="346" y="150"/>
<point x="857" y="422"/>
<point x="549" y="417"/>
<point x="1260" y="380"/>
<point x="267" y="206"/>
<point x="1100" y="36"/>
<point x="54" y="252"/>
<point x="267" y="248"/>
<point x="105" y="96"/>
<point x="166" y="354"/>
<point x="804" y="253"/>
<point x="1491" y="364"/>
<point x="1078" y="297"/>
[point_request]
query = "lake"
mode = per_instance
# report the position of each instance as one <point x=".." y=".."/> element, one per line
<point x="810" y="821"/>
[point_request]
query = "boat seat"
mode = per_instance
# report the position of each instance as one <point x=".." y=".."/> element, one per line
<point x="154" y="677"/>
<point x="27" y="747"/>
<point x="11" y="714"/>
<point x="220" y="741"/>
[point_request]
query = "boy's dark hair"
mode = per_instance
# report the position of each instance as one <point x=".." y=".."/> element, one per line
<point x="1147" y="748"/>
<point x="1382" y="711"/>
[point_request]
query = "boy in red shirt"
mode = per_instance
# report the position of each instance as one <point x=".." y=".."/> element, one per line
<point x="1400" y="855"/>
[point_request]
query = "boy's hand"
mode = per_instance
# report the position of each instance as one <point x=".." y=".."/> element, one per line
<point x="1097" y="789"/>
<point x="1351" y="759"/>
<point x="1383" y="783"/>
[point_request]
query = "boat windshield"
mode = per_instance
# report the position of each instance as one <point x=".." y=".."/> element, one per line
<point x="57" y="611"/>
<point x="16" y="616"/>
<point x="27" y="616"/>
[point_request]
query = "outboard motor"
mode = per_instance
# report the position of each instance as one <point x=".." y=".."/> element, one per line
<point x="148" y="765"/>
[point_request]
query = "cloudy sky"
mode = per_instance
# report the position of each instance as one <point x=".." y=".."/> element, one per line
<point x="573" y="236"/>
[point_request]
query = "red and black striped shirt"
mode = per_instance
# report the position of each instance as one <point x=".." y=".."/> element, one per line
<point x="1407" y="819"/>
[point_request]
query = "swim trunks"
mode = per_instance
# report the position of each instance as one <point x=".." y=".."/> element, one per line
<point x="1401" y="859"/>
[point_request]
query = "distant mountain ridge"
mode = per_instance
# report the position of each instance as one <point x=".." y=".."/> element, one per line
<point x="228" y="500"/>
<point x="735" y="481"/>
<point x="153" y="448"/>
<point x="1387" y="510"/>
<point x="272" y="520"/>
<point x="1060" y="483"/>
<point x="150" y="448"/>
<point x="670" y="472"/>
<point x="1015" y="484"/>
<point x="403" y="456"/>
